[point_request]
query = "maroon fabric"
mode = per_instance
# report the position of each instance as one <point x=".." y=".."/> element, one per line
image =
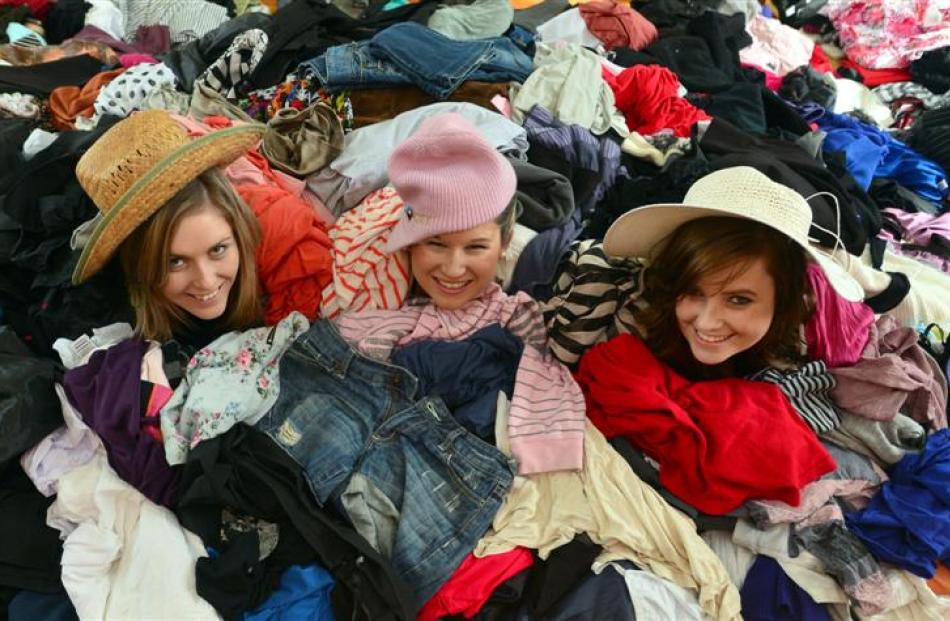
<point x="838" y="330"/>
<point x="618" y="25"/>
<point x="719" y="443"/>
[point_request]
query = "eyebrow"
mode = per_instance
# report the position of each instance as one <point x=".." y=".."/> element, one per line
<point x="172" y="255"/>
<point x="746" y="292"/>
<point x="480" y="240"/>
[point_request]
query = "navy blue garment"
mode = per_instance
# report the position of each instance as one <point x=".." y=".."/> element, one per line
<point x="32" y="606"/>
<point x="770" y="595"/>
<point x="304" y="593"/>
<point x="908" y="522"/>
<point x="872" y="154"/>
<point x="541" y="258"/>
<point x="597" y="596"/>
<point x="466" y="374"/>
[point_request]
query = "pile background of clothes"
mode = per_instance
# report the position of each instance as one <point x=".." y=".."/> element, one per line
<point x="145" y="480"/>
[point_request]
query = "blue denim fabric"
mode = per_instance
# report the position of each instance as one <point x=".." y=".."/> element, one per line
<point x="342" y="416"/>
<point x="410" y="53"/>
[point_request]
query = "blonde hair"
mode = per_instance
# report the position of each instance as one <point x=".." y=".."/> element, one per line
<point x="145" y="259"/>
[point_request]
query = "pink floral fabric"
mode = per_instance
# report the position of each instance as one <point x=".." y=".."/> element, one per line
<point x="889" y="34"/>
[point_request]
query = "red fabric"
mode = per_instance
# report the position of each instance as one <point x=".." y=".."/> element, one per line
<point x="294" y="261"/>
<point x="649" y="99"/>
<point x="876" y="77"/>
<point x="719" y="443"/>
<point x="820" y="61"/>
<point x="473" y="583"/>
<point x="39" y="8"/>
<point x="618" y="25"/>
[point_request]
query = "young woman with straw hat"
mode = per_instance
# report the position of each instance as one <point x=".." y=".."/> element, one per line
<point x="185" y="239"/>
<point x="726" y="291"/>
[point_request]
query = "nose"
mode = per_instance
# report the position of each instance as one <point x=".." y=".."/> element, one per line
<point x="709" y="316"/>
<point x="205" y="278"/>
<point x="454" y="266"/>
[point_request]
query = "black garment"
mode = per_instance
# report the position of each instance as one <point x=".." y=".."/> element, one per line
<point x="931" y="135"/>
<point x="306" y="28"/>
<point x="932" y="70"/>
<point x="647" y="186"/>
<point x="740" y="104"/>
<point x="806" y="84"/>
<point x="65" y="19"/>
<point x="10" y="13"/>
<point x="39" y="209"/>
<point x="667" y="13"/>
<point x="246" y="570"/>
<point x="29" y="408"/>
<point x="190" y="60"/>
<point x="248" y="472"/>
<point x="546" y="197"/>
<point x="893" y="295"/>
<point x="789" y="164"/>
<point x="30" y="551"/>
<point x="41" y="79"/>
<point x="583" y="179"/>
<point x="889" y="193"/>
<point x="198" y="332"/>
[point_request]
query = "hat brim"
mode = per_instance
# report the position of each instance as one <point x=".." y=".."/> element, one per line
<point x="642" y="232"/>
<point x="157" y="186"/>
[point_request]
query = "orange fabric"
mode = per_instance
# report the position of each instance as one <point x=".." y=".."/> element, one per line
<point x="294" y="261"/>
<point x="520" y="5"/>
<point x="68" y="102"/>
<point x="940" y="583"/>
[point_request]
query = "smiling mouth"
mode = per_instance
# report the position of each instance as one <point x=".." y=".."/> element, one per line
<point x="452" y="286"/>
<point x="207" y="297"/>
<point x="710" y="340"/>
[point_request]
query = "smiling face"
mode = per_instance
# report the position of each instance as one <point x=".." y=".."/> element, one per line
<point x="203" y="264"/>
<point x="727" y="312"/>
<point x="454" y="268"/>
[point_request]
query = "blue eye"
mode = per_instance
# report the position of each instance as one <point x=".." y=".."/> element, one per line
<point x="740" y="300"/>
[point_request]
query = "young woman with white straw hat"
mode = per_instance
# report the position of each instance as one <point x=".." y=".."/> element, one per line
<point x="185" y="240"/>
<point x="726" y="291"/>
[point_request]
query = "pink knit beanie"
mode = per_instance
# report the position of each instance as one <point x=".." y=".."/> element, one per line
<point x="450" y="178"/>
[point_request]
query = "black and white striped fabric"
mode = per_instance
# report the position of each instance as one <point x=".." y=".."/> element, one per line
<point x="594" y="299"/>
<point x="186" y="19"/>
<point x="808" y="390"/>
<point x="899" y="90"/>
<point x="236" y="64"/>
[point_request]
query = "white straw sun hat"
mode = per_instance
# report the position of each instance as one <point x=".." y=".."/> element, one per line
<point x="742" y="192"/>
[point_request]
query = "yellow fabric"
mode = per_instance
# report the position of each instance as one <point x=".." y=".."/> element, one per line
<point x="618" y="511"/>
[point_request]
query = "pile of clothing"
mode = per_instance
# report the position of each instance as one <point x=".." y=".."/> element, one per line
<point x="541" y="463"/>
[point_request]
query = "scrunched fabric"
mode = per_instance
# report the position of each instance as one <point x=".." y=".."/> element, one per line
<point x="719" y="443"/>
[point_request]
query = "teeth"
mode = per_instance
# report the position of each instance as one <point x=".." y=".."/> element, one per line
<point x="709" y="339"/>
<point x="453" y="285"/>
<point x="205" y="298"/>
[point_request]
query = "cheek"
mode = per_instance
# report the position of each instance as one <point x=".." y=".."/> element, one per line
<point x="686" y="310"/>
<point x="174" y="284"/>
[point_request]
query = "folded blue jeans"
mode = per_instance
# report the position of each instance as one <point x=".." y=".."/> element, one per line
<point x="421" y="488"/>
<point x="410" y="53"/>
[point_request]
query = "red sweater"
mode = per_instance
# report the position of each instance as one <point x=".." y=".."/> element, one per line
<point x="719" y="443"/>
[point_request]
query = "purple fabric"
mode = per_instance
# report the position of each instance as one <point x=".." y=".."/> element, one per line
<point x="838" y="331"/>
<point x="152" y="40"/>
<point x="106" y="391"/>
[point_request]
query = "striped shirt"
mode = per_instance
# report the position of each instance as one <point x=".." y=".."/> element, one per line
<point x="808" y="390"/>
<point x="364" y="276"/>
<point x="186" y="19"/>
<point x="547" y="415"/>
<point x="594" y="299"/>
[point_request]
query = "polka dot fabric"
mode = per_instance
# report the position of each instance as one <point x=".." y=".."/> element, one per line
<point x="129" y="91"/>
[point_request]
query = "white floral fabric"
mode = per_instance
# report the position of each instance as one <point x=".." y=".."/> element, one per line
<point x="232" y="380"/>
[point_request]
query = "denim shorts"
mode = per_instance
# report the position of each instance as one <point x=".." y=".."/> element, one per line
<point x="420" y="487"/>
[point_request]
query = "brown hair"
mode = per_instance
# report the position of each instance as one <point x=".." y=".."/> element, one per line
<point x="709" y="245"/>
<point x="506" y="220"/>
<point x="145" y="259"/>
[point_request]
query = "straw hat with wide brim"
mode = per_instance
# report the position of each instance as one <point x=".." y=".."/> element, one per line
<point x="137" y="166"/>
<point x="742" y="192"/>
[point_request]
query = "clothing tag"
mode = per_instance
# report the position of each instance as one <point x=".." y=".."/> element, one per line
<point x="504" y="106"/>
<point x="83" y="347"/>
